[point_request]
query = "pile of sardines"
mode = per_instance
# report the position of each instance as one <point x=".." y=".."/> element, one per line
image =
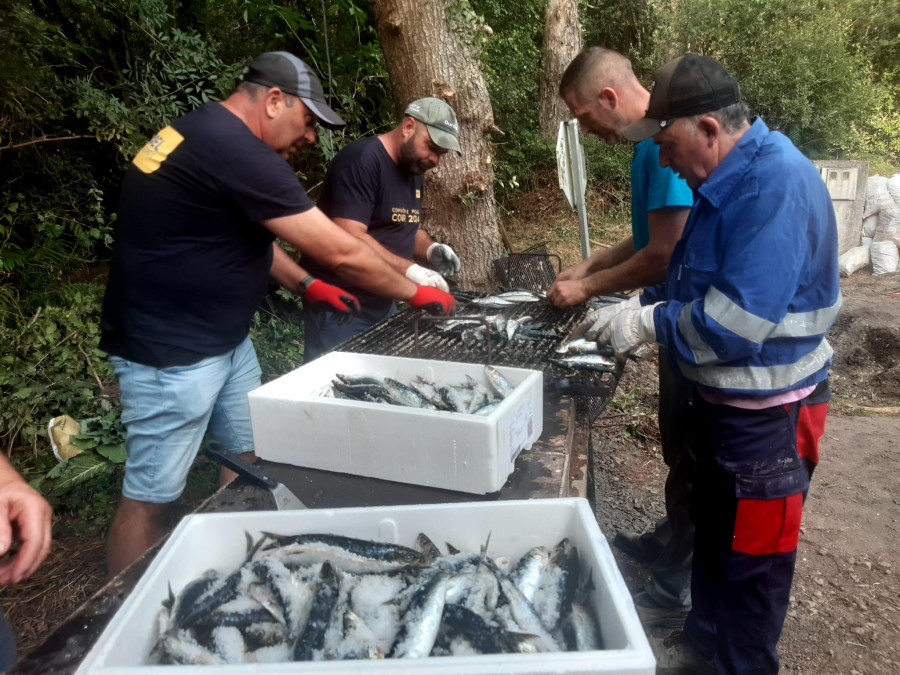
<point x="477" y="329"/>
<point x="314" y="597"/>
<point x="471" y="396"/>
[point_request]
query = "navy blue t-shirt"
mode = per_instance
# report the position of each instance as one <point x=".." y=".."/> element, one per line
<point x="364" y="184"/>
<point x="191" y="259"/>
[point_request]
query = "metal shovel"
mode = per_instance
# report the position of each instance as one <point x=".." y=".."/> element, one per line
<point x="285" y="500"/>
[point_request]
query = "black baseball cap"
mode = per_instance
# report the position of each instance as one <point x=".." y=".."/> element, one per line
<point x="688" y="85"/>
<point x="292" y="76"/>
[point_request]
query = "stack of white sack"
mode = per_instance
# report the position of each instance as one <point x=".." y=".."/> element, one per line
<point x="880" y="229"/>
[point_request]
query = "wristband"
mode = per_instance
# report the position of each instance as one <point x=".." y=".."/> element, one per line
<point x="307" y="281"/>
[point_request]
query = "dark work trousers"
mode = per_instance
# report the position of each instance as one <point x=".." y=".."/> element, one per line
<point x="323" y="330"/>
<point x="670" y="583"/>
<point x="753" y="472"/>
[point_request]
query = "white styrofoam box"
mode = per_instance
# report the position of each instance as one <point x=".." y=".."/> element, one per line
<point x="295" y="423"/>
<point x="217" y="540"/>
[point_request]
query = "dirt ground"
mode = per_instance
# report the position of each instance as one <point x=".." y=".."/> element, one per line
<point x="844" y="616"/>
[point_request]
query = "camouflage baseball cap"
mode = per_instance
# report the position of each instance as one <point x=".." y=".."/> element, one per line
<point x="440" y="119"/>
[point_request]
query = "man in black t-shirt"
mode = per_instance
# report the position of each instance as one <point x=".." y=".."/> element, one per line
<point x="374" y="189"/>
<point x="201" y="206"/>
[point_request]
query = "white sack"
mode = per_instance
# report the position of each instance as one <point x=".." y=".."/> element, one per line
<point x="888" y="226"/>
<point x="893" y="186"/>
<point x="877" y="195"/>
<point x="885" y="257"/>
<point x="854" y="259"/>
<point x="869" y="225"/>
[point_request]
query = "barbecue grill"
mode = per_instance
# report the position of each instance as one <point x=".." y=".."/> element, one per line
<point x="411" y="333"/>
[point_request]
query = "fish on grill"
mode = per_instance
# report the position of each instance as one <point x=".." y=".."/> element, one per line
<point x="533" y="345"/>
<point x="598" y="362"/>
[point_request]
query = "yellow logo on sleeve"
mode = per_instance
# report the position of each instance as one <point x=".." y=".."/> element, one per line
<point x="418" y="194"/>
<point x="158" y="148"/>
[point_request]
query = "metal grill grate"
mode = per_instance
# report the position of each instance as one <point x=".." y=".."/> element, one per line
<point x="532" y="269"/>
<point x="407" y="334"/>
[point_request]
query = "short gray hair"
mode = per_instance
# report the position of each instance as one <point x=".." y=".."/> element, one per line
<point x="731" y="117"/>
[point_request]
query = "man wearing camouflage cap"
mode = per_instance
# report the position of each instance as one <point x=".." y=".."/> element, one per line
<point x="201" y="206"/>
<point x="374" y="189"/>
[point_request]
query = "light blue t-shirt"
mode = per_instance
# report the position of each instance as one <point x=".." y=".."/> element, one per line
<point x="652" y="187"/>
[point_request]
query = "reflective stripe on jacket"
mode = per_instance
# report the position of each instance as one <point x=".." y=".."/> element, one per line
<point x="753" y="284"/>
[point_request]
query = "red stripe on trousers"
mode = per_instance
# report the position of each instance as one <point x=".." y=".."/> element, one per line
<point x="765" y="526"/>
<point x="810" y="427"/>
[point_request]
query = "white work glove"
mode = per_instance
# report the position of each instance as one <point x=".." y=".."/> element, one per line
<point x="630" y="328"/>
<point x="426" y="277"/>
<point x="443" y="259"/>
<point x="596" y="320"/>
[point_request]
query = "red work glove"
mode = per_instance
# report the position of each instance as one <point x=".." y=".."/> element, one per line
<point x="433" y="300"/>
<point x="339" y="301"/>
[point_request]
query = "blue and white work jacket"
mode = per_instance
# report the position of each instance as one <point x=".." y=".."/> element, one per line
<point x="753" y="284"/>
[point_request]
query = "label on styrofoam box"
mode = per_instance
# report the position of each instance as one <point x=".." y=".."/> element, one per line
<point x="521" y="427"/>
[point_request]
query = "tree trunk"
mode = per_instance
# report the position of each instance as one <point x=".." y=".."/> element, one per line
<point x="562" y="42"/>
<point x="426" y="57"/>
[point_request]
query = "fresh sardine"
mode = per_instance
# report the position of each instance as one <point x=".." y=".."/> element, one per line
<point x="313" y="636"/>
<point x="500" y="384"/>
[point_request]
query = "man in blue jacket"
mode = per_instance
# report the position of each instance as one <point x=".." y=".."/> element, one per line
<point x="751" y="290"/>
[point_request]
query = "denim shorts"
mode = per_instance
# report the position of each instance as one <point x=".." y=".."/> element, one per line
<point x="167" y="412"/>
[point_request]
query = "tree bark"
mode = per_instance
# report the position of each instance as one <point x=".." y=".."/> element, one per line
<point x="425" y="56"/>
<point x="562" y="42"/>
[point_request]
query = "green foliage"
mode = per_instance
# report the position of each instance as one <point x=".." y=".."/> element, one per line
<point x="277" y="334"/>
<point x="626" y="26"/>
<point x="48" y="368"/>
<point x="793" y="59"/>
<point x="511" y="63"/>
<point x="875" y="32"/>
<point x="82" y="86"/>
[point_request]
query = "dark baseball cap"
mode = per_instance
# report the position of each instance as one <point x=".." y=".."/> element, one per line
<point x="688" y="85"/>
<point x="440" y="119"/>
<point x="292" y="76"/>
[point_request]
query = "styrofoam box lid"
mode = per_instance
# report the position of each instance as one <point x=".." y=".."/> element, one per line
<point x="217" y="540"/>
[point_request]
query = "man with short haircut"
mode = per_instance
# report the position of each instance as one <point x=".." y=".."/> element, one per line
<point x="751" y="290"/>
<point x="200" y="208"/>
<point x="603" y="94"/>
<point x="374" y="189"/>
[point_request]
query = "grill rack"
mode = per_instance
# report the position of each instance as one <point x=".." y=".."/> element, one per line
<point x="405" y="334"/>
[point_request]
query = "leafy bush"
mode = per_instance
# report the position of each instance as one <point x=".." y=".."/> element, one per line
<point x="511" y="63"/>
<point x="82" y="86"/>
<point x="51" y="366"/>
<point x="793" y="59"/>
<point x="277" y="334"/>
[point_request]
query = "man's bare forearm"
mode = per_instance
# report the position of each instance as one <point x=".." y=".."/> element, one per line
<point x="284" y="271"/>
